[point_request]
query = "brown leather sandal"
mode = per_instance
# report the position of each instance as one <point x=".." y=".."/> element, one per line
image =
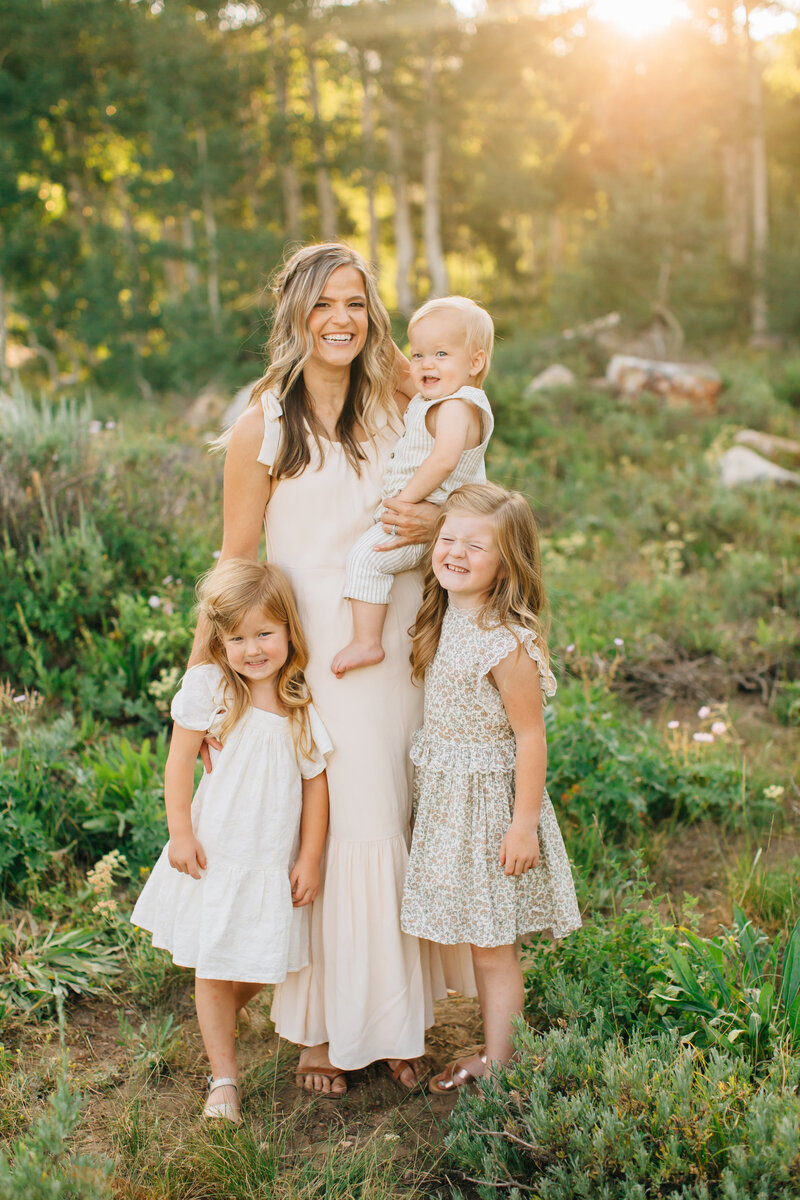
<point x="453" y="1077"/>
<point x="329" y="1073"/>
<point x="403" y="1064"/>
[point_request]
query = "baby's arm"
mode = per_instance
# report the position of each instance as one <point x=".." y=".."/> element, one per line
<point x="304" y="876"/>
<point x="185" y="852"/>
<point x="517" y="680"/>
<point x="454" y="425"/>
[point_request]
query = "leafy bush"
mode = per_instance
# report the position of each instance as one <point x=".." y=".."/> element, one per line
<point x="611" y="964"/>
<point x="737" y="991"/>
<point x="41" y="969"/>
<point x="40" y="1165"/>
<point x="600" y="766"/>
<point x="581" y="1116"/>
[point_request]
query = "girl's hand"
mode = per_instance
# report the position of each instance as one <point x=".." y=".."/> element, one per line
<point x="304" y="880"/>
<point x="519" y="849"/>
<point x="414" y="523"/>
<point x="187" y="855"/>
<point x="208" y="744"/>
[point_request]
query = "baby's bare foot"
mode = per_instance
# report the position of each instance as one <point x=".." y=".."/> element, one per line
<point x="357" y="654"/>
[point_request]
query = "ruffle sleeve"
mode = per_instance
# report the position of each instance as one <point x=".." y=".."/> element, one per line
<point x="273" y="429"/>
<point x="313" y="764"/>
<point x="501" y="642"/>
<point x="198" y="702"/>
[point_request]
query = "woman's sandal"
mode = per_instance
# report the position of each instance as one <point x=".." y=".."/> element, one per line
<point x="455" y="1076"/>
<point x="406" y="1064"/>
<point x="331" y="1073"/>
<point x="226" y="1110"/>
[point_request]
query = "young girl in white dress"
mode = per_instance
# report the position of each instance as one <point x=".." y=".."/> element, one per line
<point x="487" y="860"/>
<point x="229" y="894"/>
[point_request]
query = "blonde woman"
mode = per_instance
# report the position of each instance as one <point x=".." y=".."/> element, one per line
<point x="306" y="461"/>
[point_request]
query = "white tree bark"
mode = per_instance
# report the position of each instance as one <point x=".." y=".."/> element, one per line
<point x="759" y="315"/>
<point x="290" y="182"/>
<point x="326" y="201"/>
<point x="431" y="180"/>
<point x="403" y="231"/>
<point x="210" y="225"/>
<point x="368" y="149"/>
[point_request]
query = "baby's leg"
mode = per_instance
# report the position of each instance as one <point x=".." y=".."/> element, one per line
<point x="216" y="1013"/>
<point x="498" y="975"/>
<point x="368" y="585"/>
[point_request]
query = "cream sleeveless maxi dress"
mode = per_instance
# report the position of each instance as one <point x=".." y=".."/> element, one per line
<point x="369" y="988"/>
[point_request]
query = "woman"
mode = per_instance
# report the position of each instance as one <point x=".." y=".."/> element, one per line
<point x="306" y="460"/>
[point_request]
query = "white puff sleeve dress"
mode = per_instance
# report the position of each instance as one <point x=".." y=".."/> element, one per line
<point x="237" y="921"/>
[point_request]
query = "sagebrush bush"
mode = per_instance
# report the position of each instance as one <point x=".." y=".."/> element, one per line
<point x="583" y="1116"/>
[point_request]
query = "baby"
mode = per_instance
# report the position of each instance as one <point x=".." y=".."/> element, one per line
<point x="447" y="429"/>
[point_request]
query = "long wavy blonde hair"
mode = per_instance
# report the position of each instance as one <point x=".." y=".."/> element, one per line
<point x="297" y="287"/>
<point x="517" y="596"/>
<point x="224" y="597"/>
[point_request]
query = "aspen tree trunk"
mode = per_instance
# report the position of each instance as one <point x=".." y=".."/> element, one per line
<point x="403" y="232"/>
<point x="290" y="183"/>
<point x="326" y="200"/>
<point x="190" y="262"/>
<point x="173" y="267"/>
<point x="759" y="316"/>
<point x="431" y="180"/>
<point x="210" y="225"/>
<point x="5" y="373"/>
<point x="367" y="150"/>
<point x="735" y="200"/>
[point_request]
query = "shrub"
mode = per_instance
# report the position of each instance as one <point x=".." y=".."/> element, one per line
<point x="582" y="1116"/>
<point x="735" y="991"/>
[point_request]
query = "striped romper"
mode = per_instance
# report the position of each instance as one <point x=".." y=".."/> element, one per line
<point x="369" y="575"/>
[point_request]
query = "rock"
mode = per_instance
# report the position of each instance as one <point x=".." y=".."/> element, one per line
<point x="677" y="383"/>
<point x="740" y="465"/>
<point x="238" y="404"/>
<point x="767" y="444"/>
<point x="554" y="376"/>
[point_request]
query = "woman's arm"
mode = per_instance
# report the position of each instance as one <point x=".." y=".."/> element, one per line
<point x="185" y="852"/>
<point x="304" y="876"/>
<point x="517" y="680"/>
<point x="403" y="387"/>
<point x="246" y="490"/>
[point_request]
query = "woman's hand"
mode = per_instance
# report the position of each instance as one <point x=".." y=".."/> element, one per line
<point x="187" y="855"/>
<point x="411" y="524"/>
<point x="519" y="849"/>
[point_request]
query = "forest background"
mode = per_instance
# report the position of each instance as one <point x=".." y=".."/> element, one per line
<point x="599" y="192"/>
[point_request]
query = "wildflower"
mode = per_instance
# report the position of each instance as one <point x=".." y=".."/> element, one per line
<point x="111" y="424"/>
<point x="703" y="737"/>
<point x="95" y="427"/>
<point x="167" y="580"/>
<point x="169" y="609"/>
<point x="19" y="699"/>
<point x="673" y="527"/>
<point x="154" y="601"/>
<point x="105" y="907"/>
<point x="719" y="727"/>
<point x="704" y="712"/>
<point x="619" y="642"/>
<point x="570" y="648"/>
<point x="673" y="724"/>
<point x="216" y="554"/>
<point x="774" y="791"/>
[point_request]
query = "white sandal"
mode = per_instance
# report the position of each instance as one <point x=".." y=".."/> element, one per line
<point x="226" y="1110"/>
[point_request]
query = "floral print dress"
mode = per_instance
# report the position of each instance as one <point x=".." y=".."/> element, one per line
<point x="456" y="891"/>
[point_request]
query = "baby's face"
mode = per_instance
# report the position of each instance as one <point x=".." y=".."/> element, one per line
<point x="441" y="360"/>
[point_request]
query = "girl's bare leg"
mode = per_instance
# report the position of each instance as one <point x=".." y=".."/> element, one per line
<point x="216" y="1014"/>
<point x="498" y="975"/>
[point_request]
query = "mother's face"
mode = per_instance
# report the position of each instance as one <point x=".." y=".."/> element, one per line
<point x="338" y="322"/>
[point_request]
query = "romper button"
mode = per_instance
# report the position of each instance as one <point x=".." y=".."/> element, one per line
<point x="392" y="454"/>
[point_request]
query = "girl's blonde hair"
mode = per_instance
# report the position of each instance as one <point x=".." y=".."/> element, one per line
<point x="517" y="596"/>
<point x="224" y="597"/>
<point x="478" y="326"/>
<point x="297" y="287"/>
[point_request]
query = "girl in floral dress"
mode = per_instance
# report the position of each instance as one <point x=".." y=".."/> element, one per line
<point x="487" y="860"/>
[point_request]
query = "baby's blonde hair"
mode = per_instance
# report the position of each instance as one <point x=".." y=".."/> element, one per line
<point x="225" y="596"/>
<point x="517" y="596"/>
<point x="478" y="326"/>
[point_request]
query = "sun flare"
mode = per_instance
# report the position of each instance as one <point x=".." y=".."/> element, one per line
<point x="639" y="17"/>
